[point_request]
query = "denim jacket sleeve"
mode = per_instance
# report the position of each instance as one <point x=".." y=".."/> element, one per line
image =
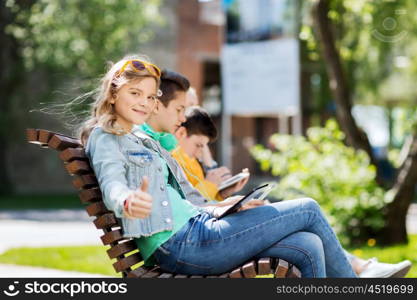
<point x="109" y="164"/>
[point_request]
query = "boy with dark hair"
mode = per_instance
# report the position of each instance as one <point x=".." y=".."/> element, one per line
<point x="169" y="110"/>
<point x="196" y="132"/>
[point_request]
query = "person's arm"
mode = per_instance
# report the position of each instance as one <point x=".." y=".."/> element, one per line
<point x="206" y="159"/>
<point x="109" y="165"/>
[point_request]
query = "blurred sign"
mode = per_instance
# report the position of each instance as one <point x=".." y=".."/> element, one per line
<point x="261" y="78"/>
<point x="211" y="12"/>
<point x="260" y="59"/>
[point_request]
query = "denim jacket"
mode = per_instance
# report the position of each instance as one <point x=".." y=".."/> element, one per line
<point x="121" y="161"/>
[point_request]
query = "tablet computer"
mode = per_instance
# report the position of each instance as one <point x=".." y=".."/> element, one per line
<point x="233" y="180"/>
<point x="259" y="192"/>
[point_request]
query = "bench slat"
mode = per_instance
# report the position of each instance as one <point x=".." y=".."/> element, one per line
<point x="32" y="135"/>
<point x="120" y="249"/>
<point x="264" y="266"/>
<point x="236" y="273"/>
<point x="127" y="262"/>
<point x="282" y="269"/>
<point x="155" y="272"/>
<point x="105" y="221"/>
<point x="44" y="136"/>
<point x="60" y="142"/>
<point x="90" y="195"/>
<point x="137" y="273"/>
<point x="78" y="167"/>
<point x="96" y="209"/>
<point x="294" y="272"/>
<point x="249" y="270"/>
<point x="112" y="237"/>
<point x="71" y="154"/>
<point x="84" y="181"/>
<point x="166" y="275"/>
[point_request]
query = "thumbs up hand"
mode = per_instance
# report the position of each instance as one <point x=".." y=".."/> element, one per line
<point x="139" y="203"/>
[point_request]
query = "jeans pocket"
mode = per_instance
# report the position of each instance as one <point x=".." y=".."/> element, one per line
<point x="192" y="268"/>
<point x="164" y="250"/>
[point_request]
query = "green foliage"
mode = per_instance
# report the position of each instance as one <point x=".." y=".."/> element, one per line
<point x="341" y="179"/>
<point x="376" y="41"/>
<point x="78" y="35"/>
<point x="22" y="202"/>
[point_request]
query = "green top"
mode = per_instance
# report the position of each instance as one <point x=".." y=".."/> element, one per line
<point x="167" y="140"/>
<point x="182" y="212"/>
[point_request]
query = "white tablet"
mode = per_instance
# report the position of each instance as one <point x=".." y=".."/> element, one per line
<point x="233" y="180"/>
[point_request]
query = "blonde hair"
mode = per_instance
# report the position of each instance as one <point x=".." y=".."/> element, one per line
<point x="102" y="111"/>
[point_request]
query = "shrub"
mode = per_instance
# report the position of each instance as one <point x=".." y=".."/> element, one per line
<point x="322" y="167"/>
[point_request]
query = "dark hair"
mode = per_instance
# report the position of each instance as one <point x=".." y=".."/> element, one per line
<point x="199" y="122"/>
<point x="172" y="82"/>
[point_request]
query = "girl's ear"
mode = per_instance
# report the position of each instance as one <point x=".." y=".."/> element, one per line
<point x="113" y="98"/>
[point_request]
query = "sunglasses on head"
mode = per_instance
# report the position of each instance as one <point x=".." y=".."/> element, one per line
<point x="140" y="65"/>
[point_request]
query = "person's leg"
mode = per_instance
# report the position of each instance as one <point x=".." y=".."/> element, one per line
<point x="373" y="268"/>
<point x="303" y="249"/>
<point x="215" y="246"/>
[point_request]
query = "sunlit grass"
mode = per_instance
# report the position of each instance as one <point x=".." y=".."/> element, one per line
<point x="94" y="259"/>
<point x="391" y="254"/>
<point x="88" y="259"/>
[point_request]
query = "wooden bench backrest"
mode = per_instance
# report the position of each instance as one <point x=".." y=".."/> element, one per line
<point x="128" y="259"/>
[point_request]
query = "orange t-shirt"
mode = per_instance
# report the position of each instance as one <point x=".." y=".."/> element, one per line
<point x="195" y="174"/>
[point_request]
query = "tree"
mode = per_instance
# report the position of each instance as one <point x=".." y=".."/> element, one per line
<point x="403" y="190"/>
<point x="62" y="41"/>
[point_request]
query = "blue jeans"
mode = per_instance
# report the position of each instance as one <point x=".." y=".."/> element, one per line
<point x="294" y="230"/>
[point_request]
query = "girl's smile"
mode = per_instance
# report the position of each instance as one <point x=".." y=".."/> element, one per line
<point x="140" y="112"/>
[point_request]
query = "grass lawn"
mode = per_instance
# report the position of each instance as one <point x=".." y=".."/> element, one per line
<point x="21" y="202"/>
<point x="88" y="259"/>
<point x="391" y="254"/>
<point x="94" y="259"/>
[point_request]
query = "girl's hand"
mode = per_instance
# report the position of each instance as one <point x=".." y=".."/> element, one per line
<point x="218" y="175"/>
<point x="139" y="204"/>
<point x="252" y="204"/>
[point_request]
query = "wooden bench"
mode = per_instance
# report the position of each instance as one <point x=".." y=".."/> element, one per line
<point x="128" y="259"/>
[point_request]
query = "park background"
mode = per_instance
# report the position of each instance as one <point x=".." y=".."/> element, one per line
<point x="338" y="126"/>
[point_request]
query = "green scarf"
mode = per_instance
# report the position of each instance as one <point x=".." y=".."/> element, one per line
<point x="167" y="140"/>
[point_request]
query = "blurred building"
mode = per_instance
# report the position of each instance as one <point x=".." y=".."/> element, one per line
<point x="190" y="42"/>
<point x="201" y="35"/>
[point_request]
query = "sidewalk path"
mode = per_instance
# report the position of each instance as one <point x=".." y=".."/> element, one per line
<point x="41" y="228"/>
<point x="21" y="233"/>
<point x="37" y="228"/>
